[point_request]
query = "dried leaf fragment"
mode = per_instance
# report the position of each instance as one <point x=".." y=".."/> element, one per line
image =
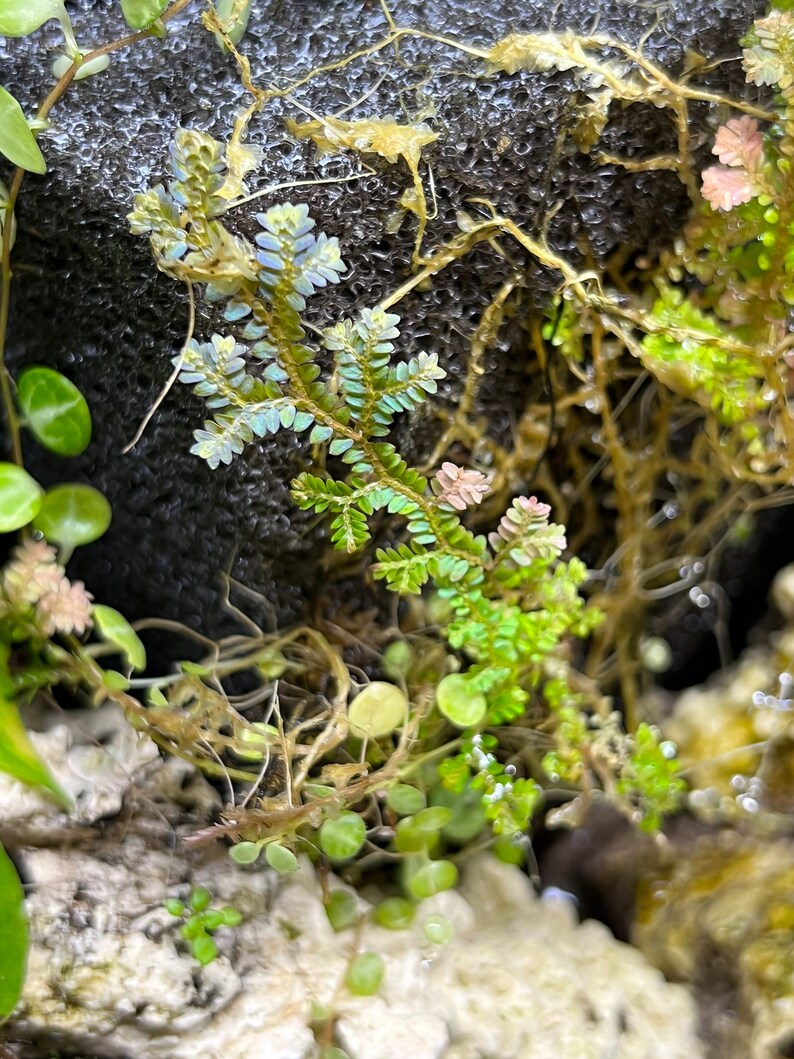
<point x="534" y="52"/>
<point x="539" y="52"/>
<point x="384" y="137"/>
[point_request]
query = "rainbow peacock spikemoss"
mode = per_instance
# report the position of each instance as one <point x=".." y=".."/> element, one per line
<point x="507" y="605"/>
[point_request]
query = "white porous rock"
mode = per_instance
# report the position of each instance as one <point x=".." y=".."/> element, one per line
<point x="520" y="979"/>
<point x="104" y="765"/>
<point x="95" y="756"/>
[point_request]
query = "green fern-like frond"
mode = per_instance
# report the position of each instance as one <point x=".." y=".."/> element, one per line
<point x="198" y="163"/>
<point x="349" y="530"/>
<point x="361" y="350"/>
<point x="372" y="391"/>
<point x="525" y="534"/>
<point x="223" y="437"/>
<point x="702" y="366"/>
<point x="321" y="494"/>
<point x="229" y="432"/>
<point x="404" y="568"/>
<point x="410" y="382"/>
<point x="293" y="262"/>
<point x="216" y="370"/>
<point x="157" y="215"/>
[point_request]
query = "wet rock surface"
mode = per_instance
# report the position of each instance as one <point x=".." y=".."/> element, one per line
<point x="88" y="300"/>
<point x="723" y="921"/>
<point x="717" y="910"/>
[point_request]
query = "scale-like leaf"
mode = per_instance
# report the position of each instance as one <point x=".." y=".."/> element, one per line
<point x="349" y="530"/>
<point x="404" y="569"/>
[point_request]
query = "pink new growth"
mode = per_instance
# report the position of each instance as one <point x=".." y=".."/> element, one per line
<point x="461" y="488"/>
<point x="725" y="188"/>
<point x="739" y="143"/>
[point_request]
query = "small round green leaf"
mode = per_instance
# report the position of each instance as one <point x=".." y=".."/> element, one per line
<point x="365" y="974"/>
<point x="71" y="515"/>
<point x="342" y="910"/>
<point x="175" y="907"/>
<point x="254" y="740"/>
<point x="55" y="411"/>
<point x="398" y="658"/>
<point x="431" y="878"/>
<point x="17" y="142"/>
<point x="141" y="14"/>
<point x="204" y="950"/>
<point x="438" y="929"/>
<point x="318" y="790"/>
<point x="245" y="852"/>
<point x="20" y="498"/>
<point x="421" y="831"/>
<point x="191" y="929"/>
<point x="195" y="670"/>
<point x="468" y="815"/>
<point x="115" y="628"/>
<point x="199" y="898"/>
<point x="280" y="858"/>
<point x="509" y="852"/>
<point x="271" y="663"/>
<point x="342" y="837"/>
<point x="86" y="69"/>
<point x="18" y="18"/>
<point x="459" y="702"/>
<point x="405" y="800"/>
<point x="115" y="681"/>
<point x="395" y="913"/>
<point x="231" y="916"/>
<point x="377" y="710"/>
<point x="213" y="919"/>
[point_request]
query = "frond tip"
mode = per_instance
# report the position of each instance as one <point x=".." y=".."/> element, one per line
<point x="404" y="568"/>
<point x="461" y="488"/>
<point x="293" y="262"/>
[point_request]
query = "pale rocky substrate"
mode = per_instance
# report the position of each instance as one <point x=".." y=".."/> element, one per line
<point x="108" y="975"/>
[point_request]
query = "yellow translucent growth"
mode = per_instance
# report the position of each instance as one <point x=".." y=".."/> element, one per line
<point x="538" y="52"/>
<point x="381" y="136"/>
<point x="535" y="52"/>
<point x="225" y="260"/>
<point x="241" y="159"/>
<point x="384" y="137"/>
